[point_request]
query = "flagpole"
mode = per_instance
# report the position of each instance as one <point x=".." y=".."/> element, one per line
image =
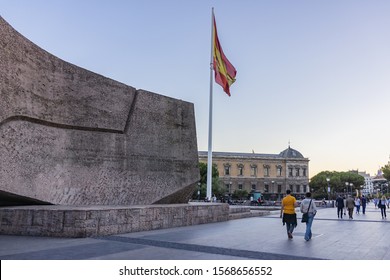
<point x="210" y="149"/>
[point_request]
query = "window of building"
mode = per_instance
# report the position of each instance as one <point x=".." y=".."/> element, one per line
<point x="253" y="170"/>
<point x="297" y="172"/>
<point x="240" y="186"/>
<point x="279" y="188"/>
<point x="229" y="187"/>
<point x="298" y="188"/>
<point x="226" y="169"/>
<point x="290" y="172"/>
<point x="279" y="171"/>
<point x="240" y="169"/>
<point x="304" y="172"/>
<point x="253" y="187"/>
<point x="266" y="170"/>
<point x="304" y="188"/>
<point x="266" y="188"/>
<point x="291" y="188"/>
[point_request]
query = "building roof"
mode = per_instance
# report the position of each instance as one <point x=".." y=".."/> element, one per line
<point x="288" y="153"/>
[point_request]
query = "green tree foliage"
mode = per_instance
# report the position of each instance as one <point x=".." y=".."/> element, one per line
<point x="319" y="184"/>
<point x="386" y="172"/>
<point x="217" y="189"/>
<point x="240" y="194"/>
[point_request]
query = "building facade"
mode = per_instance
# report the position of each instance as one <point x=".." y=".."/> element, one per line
<point x="268" y="174"/>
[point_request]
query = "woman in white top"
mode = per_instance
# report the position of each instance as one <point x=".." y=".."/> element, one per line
<point x="357" y="204"/>
<point x="308" y="206"/>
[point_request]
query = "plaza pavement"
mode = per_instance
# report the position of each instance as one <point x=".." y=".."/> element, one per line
<point x="366" y="237"/>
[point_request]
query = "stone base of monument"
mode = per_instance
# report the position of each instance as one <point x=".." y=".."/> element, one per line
<point x="89" y="221"/>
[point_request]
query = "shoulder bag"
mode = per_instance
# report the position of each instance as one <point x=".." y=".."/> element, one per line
<point x="305" y="216"/>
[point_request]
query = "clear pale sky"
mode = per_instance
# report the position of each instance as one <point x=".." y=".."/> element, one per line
<point x="316" y="73"/>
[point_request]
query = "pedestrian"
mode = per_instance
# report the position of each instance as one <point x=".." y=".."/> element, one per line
<point x="382" y="205"/>
<point x="345" y="205"/>
<point x="364" y="204"/>
<point x="287" y="213"/>
<point x="340" y="206"/>
<point x="350" y="204"/>
<point x="308" y="206"/>
<point x="375" y="202"/>
<point x="357" y="204"/>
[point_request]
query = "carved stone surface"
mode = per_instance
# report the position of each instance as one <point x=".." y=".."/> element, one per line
<point x="70" y="136"/>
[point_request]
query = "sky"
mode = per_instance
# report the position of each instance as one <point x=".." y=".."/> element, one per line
<point x="314" y="74"/>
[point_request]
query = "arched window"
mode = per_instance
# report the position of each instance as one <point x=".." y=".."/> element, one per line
<point x="266" y="170"/>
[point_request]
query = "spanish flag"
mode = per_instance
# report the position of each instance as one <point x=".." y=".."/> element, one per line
<point x="225" y="73"/>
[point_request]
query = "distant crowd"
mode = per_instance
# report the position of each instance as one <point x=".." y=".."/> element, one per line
<point x="348" y="204"/>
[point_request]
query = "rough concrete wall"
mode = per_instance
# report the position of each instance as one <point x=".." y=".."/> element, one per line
<point x="86" y="221"/>
<point x="70" y="136"/>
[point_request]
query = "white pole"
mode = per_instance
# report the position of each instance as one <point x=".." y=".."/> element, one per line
<point x="210" y="150"/>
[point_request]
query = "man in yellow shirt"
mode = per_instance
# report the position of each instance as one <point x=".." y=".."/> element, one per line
<point x="287" y="212"/>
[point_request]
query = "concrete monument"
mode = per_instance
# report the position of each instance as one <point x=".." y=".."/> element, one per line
<point x="69" y="136"/>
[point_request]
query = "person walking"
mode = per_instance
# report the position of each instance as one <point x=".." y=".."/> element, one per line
<point x="382" y="205"/>
<point x="308" y="206"/>
<point x="364" y="204"/>
<point x="287" y="213"/>
<point x="345" y="205"/>
<point x="340" y="206"/>
<point x="350" y="204"/>
<point x="357" y="204"/>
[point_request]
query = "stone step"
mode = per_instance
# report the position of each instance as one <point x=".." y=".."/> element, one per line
<point x="240" y="212"/>
<point x="242" y="215"/>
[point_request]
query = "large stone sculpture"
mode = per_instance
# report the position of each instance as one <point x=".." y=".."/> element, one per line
<point x="72" y="137"/>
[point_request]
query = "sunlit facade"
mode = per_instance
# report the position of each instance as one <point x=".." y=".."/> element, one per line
<point x="269" y="174"/>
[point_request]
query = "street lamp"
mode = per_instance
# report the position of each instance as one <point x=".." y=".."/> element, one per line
<point x="347" y="185"/>
<point x="273" y="186"/>
<point x="230" y="193"/>
<point x="327" y="180"/>
<point x="351" y="187"/>
<point x="198" y="191"/>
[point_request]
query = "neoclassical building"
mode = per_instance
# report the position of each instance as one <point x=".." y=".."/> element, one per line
<point x="269" y="174"/>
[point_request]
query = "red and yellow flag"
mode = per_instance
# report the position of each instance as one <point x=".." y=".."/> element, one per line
<point x="225" y="73"/>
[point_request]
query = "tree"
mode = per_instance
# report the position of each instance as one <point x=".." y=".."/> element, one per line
<point x="386" y="172"/>
<point x="217" y="190"/>
<point x="337" y="183"/>
<point x="240" y="194"/>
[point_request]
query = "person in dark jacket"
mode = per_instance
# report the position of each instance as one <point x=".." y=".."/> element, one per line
<point x="364" y="204"/>
<point x="382" y="205"/>
<point x="340" y="206"/>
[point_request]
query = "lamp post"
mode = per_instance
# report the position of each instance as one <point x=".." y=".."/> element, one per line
<point x="347" y="185"/>
<point x="273" y="186"/>
<point x="351" y="187"/>
<point x="327" y="180"/>
<point x="198" y="191"/>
